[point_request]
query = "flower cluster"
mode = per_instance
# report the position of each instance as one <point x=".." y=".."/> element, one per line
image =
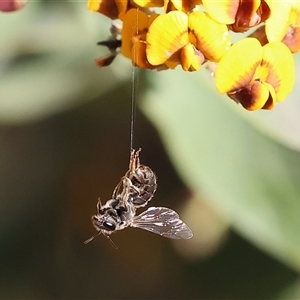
<point x="257" y="71"/>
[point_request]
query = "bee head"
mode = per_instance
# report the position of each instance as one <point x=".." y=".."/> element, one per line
<point x="106" y="223"/>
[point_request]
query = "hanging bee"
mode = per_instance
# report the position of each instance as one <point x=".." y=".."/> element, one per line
<point x="135" y="190"/>
<point x="138" y="183"/>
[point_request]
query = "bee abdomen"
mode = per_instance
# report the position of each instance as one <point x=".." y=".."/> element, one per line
<point x="143" y="180"/>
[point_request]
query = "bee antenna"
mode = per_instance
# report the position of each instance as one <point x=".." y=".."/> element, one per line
<point x="91" y="238"/>
<point x="99" y="204"/>
<point x="111" y="242"/>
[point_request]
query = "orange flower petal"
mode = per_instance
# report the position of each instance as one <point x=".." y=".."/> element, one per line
<point x="173" y="61"/>
<point x="123" y="7"/>
<point x="152" y="17"/>
<point x="248" y="15"/>
<point x="134" y="25"/>
<point x="277" y="24"/>
<point x="167" y="34"/>
<point x="264" y="10"/>
<point x="280" y="63"/>
<point x="149" y="3"/>
<point x="292" y="37"/>
<point x="139" y="58"/>
<point x="185" y="5"/>
<point x="191" y="59"/>
<point x="253" y="96"/>
<point x="237" y="67"/>
<point x="272" y="97"/>
<point x="210" y="37"/>
<point x="105" y="7"/>
<point x="222" y="11"/>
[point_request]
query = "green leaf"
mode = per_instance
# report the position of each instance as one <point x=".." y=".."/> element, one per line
<point x="47" y="60"/>
<point x="252" y="178"/>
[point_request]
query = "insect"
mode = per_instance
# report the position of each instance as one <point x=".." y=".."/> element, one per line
<point x="135" y="190"/>
<point x="138" y="183"/>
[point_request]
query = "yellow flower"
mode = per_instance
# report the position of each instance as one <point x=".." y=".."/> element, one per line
<point x="256" y="76"/>
<point x="284" y="23"/>
<point x="149" y="3"/>
<point x="180" y="5"/>
<point x="110" y="8"/>
<point x="239" y="14"/>
<point x="116" y="9"/>
<point x="135" y="28"/>
<point x="177" y="38"/>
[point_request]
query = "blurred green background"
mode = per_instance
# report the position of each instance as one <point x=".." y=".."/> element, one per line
<point x="233" y="175"/>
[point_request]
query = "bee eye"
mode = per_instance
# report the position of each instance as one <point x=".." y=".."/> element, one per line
<point x="109" y="225"/>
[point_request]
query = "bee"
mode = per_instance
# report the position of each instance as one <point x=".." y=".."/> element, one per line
<point x="139" y="182"/>
<point x="135" y="190"/>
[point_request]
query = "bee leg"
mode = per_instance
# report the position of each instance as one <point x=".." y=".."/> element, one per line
<point x="127" y="183"/>
<point x="92" y="237"/>
<point x="111" y="242"/>
<point x="99" y="204"/>
<point x="117" y="189"/>
<point x="134" y="162"/>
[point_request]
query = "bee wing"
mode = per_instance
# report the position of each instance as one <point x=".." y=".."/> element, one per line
<point x="163" y="221"/>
